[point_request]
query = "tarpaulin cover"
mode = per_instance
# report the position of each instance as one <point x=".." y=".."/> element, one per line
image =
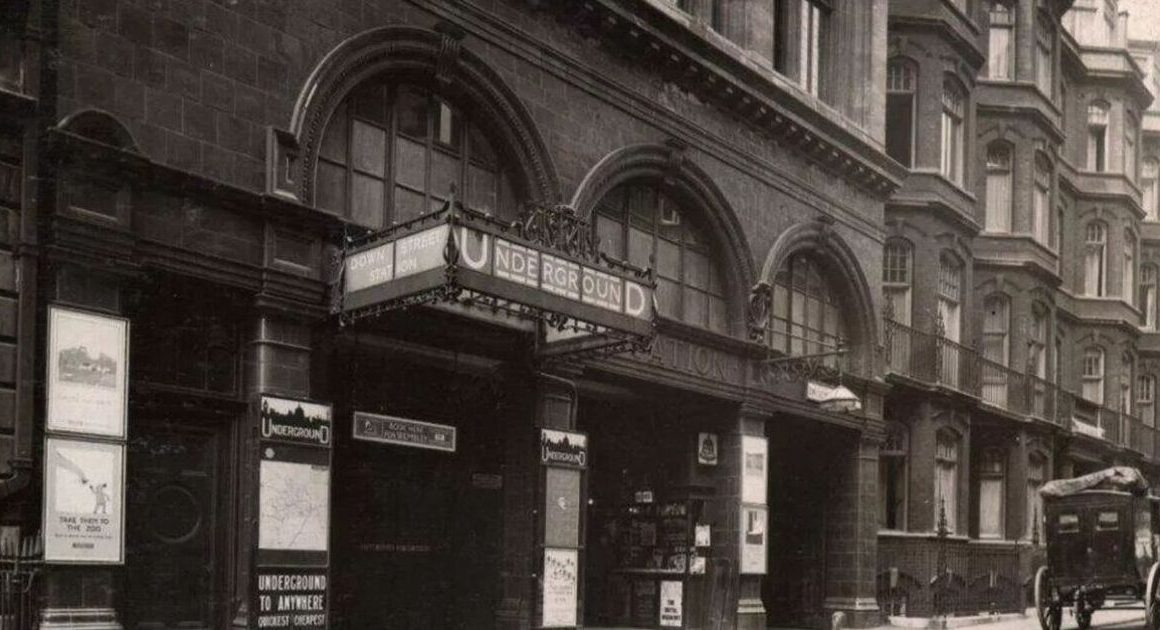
<point x="1122" y="478"/>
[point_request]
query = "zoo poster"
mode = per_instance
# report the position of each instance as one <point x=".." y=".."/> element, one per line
<point x="88" y="362"/>
<point x="84" y="493"/>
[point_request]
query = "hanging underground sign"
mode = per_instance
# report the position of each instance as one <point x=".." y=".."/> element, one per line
<point x="479" y="260"/>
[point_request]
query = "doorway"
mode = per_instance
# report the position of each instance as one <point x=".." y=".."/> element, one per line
<point x="174" y="526"/>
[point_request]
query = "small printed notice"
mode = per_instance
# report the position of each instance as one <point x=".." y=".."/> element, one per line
<point x="291" y="598"/>
<point x="293" y="505"/>
<point x="672" y="604"/>
<point x="87" y="363"/>
<point x="754" y="455"/>
<point x="561" y="590"/>
<point x="391" y="430"/>
<point x="83" y="501"/>
<point x="753" y="539"/>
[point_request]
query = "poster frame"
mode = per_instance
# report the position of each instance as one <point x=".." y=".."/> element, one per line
<point x="541" y="523"/>
<point x="51" y="371"/>
<point x="754" y="490"/>
<point x="748" y="565"/>
<point x="49" y="495"/>
<point x="293" y="558"/>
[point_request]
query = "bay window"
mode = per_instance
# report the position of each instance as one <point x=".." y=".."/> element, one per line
<point x="1041" y="201"/>
<point x="1001" y="48"/>
<point x="1097" y="144"/>
<point x="1044" y="59"/>
<point x="953" y="146"/>
<point x="1095" y="246"/>
<point x="998" y="183"/>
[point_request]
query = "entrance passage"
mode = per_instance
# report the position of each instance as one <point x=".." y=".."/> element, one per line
<point x="174" y="527"/>
<point x="417" y="533"/>
<point x="803" y="458"/>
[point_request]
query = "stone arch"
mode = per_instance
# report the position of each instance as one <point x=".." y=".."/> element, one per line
<point x="849" y="279"/>
<point x="438" y="59"/>
<point x="101" y="126"/>
<point x="679" y="176"/>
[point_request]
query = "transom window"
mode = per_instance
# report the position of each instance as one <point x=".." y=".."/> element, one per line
<point x="807" y="316"/>
<point x="640" y="221"/>
<point x="392" y="153"/>
<point x="998" y="217"/>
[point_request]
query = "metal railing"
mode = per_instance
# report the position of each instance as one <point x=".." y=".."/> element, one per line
<point x="921" y="577"/>
<point x="21" y="561"/>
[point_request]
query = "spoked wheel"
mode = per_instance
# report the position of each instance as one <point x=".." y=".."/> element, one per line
<point x="1047" y="609"/>
<point x="1151" y="606"/>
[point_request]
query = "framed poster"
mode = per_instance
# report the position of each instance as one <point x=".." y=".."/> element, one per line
<point x="754" y="466"/>
<point x="293" y="506"/>
<point x="88" y="365"/>
<point x="84" y="501"/>
<point x="754" y="539"/>
<point x="672" y="604"/>
<point x="561" y="588"/>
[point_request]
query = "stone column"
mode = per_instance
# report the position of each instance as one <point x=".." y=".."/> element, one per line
<point x="277" y="358"/>
<point x="852" y="535"/>
<point x="78" y="596"/>
<point x="548" y="400"/>
<point x="1017" y="517"/>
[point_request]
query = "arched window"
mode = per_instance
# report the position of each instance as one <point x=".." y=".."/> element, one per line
<point x="992" y="468"/>
<point x="1146" y="399"/>
<point x="1097" y="145"/>
<point x="892" y="478"/>
<point x="953" y="146"/>
<point x="896" y="279"/>
<point x="1148" y="295"/>
<point x="807" y="316"/>
<point x="1149" y="174"/>
<point x="1001" y="49"/>
<point x="998" y="187"/>
<point x="1041" y="201"/>
<point x="900" y="98"/>
<point x="1128" y="268"/>
<point x="946" y="479"/>
<point x="638" y="220"/>
<point x="394" y="152"/>
<point x="950" y="295"/>
<point x="1126" y="377"/>
<point x="1095" y="259"/>
<point x="1130" y="145"/>
<point x="1093" y="375"/>
<point x="1044" y="59"/>
<point x="996" y="348"/>
<point x="1036" y="477"/>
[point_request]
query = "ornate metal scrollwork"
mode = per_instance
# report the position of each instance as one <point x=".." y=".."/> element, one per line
<point x="558" y="227"/>
<point x="757" y="312"/>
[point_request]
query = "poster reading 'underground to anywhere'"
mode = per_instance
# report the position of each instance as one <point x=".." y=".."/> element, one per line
<point x="83" y="501"/>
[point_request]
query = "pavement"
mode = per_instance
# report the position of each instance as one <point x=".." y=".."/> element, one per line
<point x="1123" y="617"/>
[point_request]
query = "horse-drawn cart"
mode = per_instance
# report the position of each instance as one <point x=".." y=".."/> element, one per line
<point x="1100" y="531"/>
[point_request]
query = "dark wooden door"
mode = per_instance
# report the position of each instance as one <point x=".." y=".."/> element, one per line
<point x="173" y="528"/>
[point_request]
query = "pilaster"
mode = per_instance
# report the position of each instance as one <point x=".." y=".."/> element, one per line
<point x="751" y="611"/>
<point x="852" y="536"/>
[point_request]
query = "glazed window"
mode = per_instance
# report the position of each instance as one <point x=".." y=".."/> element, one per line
<point x="950" y="282"/>
<point x="1126" y="369"/>
<point x="1001" y="48"/>
<point x="953" y="146"/>
<point x="1148" y="295"/>
<point x="896" y="265"/>
<point x="1146" y="398"/>
<point x="991" y="493"/>
<point x="1149" y="174"/>
<point x="807" y="316"/>
<point x="892" y="479"/>
<point x="640" y="221"/>
<point x="1130" y="145"/>
<point x="1068" y="524"/>
<point x="1036" y="475"/>
<point x="1097" y="145"/>
<point x="1108" y="521"/>
<point x="1128" y="268"/>
<point x="1093" y="375"/>
<point x="1095" y="259"/>
<point x="1041" y="201"/>
<point x="900" y="99"/>
<point x="998" y="187"/>
<point x="1044" y="59"/>
<point x="392" y="153"/>
<point x="801" y="41"/>
<point x="996" y="348"/>
<point x="946" y="480"/>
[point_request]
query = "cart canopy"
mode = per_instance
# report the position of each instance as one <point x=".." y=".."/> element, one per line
<point x="1122" y="478"/>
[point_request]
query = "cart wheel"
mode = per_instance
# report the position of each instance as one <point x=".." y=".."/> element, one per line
<point x="1151" y="592"/>
<point x="1049" y="612"/>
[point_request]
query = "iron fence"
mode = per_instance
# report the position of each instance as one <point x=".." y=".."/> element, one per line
<point x="21" y="562"/>
<point x="918" y="579"/>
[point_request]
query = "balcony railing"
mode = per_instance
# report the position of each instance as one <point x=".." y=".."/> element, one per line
<point x="934" y="360"/>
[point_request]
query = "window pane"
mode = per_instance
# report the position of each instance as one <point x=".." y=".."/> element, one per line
<point x="331" y="187"/>
<point x="481" y="150"/>
<point x="668" y="259"/>
<point x="411" y="163"/>
<point x="366" y="201"/>
<point x="696" y="269"/>
<point x="991" y="508"/>
<point x="448" y="126"/>
<point x="408" y="205"/>
<point x="334" y="142"/>
<point x="445" y="173"/>
<point x="370" y="147"/>
<point x="639" y="247"/>
<point x="718" y="317"/>
<point x="668" y="297"/>
<point x="696" y="307"/>
<point x="370" y="103"/>
<point x="611" y="235"/>
<point x="481" y="188"/>
<point x="412" y="114"/>
<point x="642" y="206"/>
